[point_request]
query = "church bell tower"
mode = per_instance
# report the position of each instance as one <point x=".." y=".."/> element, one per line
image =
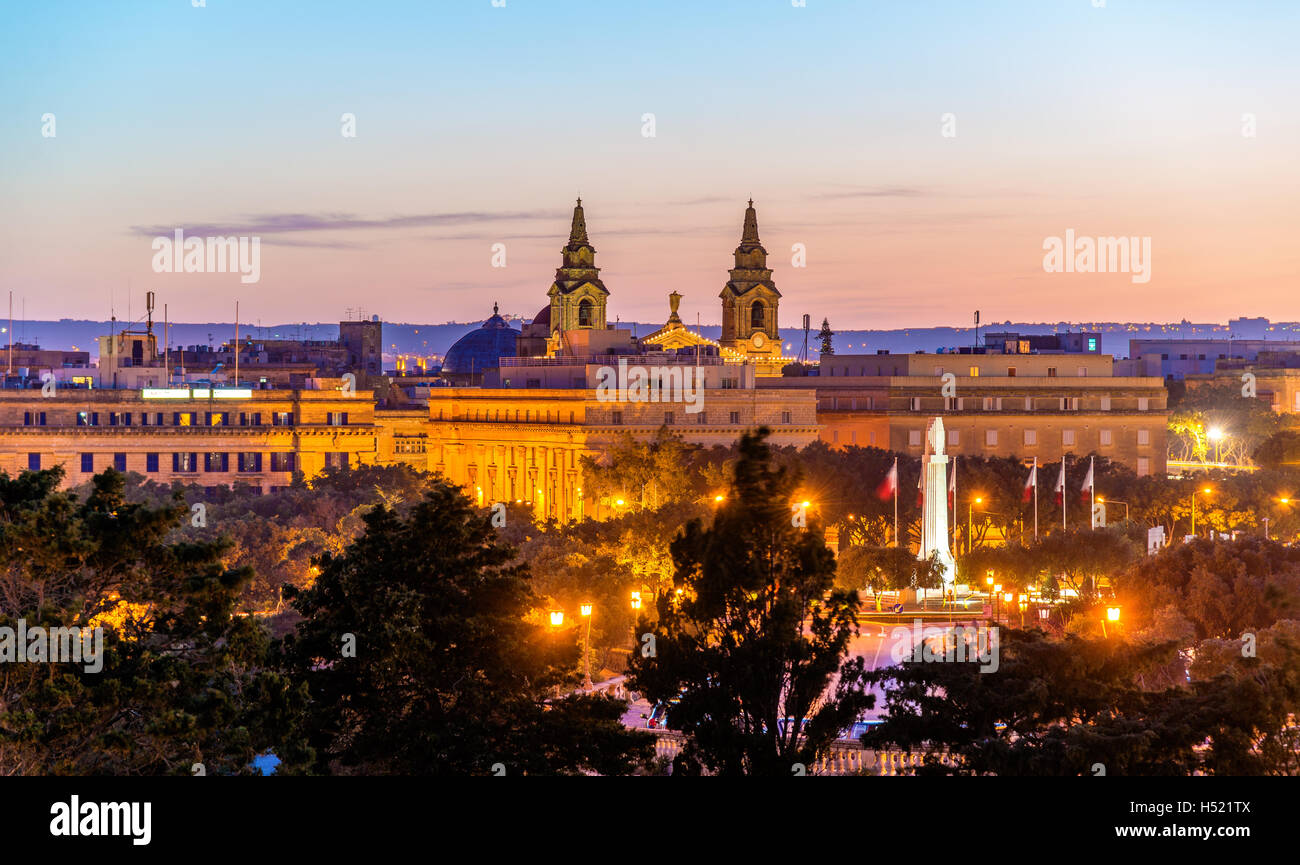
<point x="750" y="302"/>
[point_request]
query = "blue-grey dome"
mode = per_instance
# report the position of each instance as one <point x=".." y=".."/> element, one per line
<point x="480" y="349"/>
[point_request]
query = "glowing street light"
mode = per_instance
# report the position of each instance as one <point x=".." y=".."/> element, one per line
<point x="1112" y="614"/>
<point x="636" y="600"/>
<point x="1206" y="491"/>
<point x="1216" y="435"/>
<point x="557" y="618"/>
<point x="586" y="648"/>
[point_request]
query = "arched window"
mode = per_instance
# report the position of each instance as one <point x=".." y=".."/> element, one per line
<point x="757" y="317"/>
<point x="585" y="310"/>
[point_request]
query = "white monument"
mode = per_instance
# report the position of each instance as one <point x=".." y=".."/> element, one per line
<point x="934" y="521"/>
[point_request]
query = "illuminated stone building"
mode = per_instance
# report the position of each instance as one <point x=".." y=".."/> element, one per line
<point x="993" y="405"/>
<point x="200" y="435"/>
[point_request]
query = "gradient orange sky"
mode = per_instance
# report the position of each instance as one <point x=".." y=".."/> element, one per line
<point x="479" y="125"/>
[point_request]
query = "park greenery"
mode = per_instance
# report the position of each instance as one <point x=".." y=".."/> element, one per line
<point x="376" y="620"/>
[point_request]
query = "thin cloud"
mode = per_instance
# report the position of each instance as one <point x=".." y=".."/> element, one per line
<point x="286" y="223"/>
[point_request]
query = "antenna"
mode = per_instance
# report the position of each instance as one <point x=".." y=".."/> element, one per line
<point x="977" y="328"/>
<point x="807" y="325"/>
<point x="148" y="305"/>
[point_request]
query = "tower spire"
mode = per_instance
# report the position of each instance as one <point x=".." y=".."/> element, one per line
<point x="750" y="233"/>
<point x="578" y="230"/>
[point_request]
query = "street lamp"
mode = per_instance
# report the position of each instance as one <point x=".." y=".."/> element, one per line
<point x="1104" y="500"/>
<point x="557" y="618"/>
<point x="970" y="510"/>
<point x="1112" y="615"/>
<point x="586" y="648"/>
<point x="1206" y="492"/>
<point x="1216" y="435"/>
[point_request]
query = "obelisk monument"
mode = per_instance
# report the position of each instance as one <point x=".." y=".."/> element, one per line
<point x="934" y="522"/>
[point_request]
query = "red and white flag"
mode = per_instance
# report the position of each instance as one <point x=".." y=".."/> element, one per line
<point x="952" y="485"/>
<point x="889" y="486"/>
<point x="920" y="486"/>
<point x="1060" y="485"/>
<point x="1032" y="481"/>
<point x="1087" y="481"/>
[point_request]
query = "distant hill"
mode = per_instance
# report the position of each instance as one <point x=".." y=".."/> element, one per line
<point x="405" y="338"/>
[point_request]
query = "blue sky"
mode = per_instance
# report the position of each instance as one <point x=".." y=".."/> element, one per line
<point x="478" y="125"/>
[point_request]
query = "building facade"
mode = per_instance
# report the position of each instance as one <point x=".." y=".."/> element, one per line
<point x="993" y="405"/>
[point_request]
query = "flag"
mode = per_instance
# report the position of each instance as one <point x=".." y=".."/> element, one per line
<point x="1060" y="485"/>
<point x="952" y="485"/>
<point x="920" y="486"/>
<point x="1087" y="481"/>
<point x="1031" y="482"/>
<point x="889" y="486"/>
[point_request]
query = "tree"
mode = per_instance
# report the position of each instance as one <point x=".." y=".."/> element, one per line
<point x="827" y="337"/>
<point x="1063" y="707"/>
<point x="426" y="653"/>
<point x="755" y="646"/>
<point x="1222" y="587"/>
<point x="181" y="678"/>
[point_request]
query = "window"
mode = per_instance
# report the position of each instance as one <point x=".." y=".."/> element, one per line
<point x="670" y="419"/>
<point x="954" y="437"/>
<point x="1083" y="372"/>
<point x="915" y="403"/>
<point x="1031" y="437"/>
<point x="993" y="403"/>
<point x="974" y="372"/>
<point x="1069" y="403"/>
<point x="616" y="418"/>
<point x="700" y="418"/>
<point x="33" y="462"/>
<point x="1144" y="437"/>
<point x="250" y="462"/>
<point x="33" y="418"/>
<point x="1105" y="403"/>
<point x="730" y="383"/>
<point x="1011" y="371"/>
<point x="914" y="438"/>
<point x="1144" y="403"/>
<point x="1067" y="437"/>
<point x="336" y="460"/>
<point x="991" y="438"/>
<point x="216" y="462"/>
<point x="217" y="418"/>
<point x="282" y="462"/>
<point x="785" y="417"/>
<point x="339" y="418"/>
<point x="1051" y="372"/>
<point x="119" y="462"/>
<point x="282" y="418"/>
<point x="950" y="403"/>
<point x="151" y="462"/>
<point x="1029" y="403"/>
<point x="757" y="316"/>
<point x="88" y="462"/>
<point x="733" y="417"/>
<point x="585" y="316"/>
<point x="1143" y="466"/>
<point x="185" y="462"/>
<point x="1106" y="437"/>
<point x="1092" y="343"/>
<point x="182" y="418"/>
<point x="835" y="437"/>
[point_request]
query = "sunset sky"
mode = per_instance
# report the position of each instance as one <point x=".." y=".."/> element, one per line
<point x="479" y="125"/>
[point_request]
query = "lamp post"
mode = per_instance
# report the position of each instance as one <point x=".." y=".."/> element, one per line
<point x="1105" y="500"/>
<point x="1112" y="615"/>
<point x="970" y="511"/>
<point x="586" y="649"/>
<point x="1216" y="435"/>
<point x="1205" y="491"/>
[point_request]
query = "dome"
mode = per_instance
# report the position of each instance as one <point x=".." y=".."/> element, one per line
<point x="543" y="317"/>
<point x="480" y="349"/>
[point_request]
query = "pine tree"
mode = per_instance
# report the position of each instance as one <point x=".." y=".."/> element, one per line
<point x="754" y="632"/>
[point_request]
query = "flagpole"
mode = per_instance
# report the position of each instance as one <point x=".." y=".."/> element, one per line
<point x="1035" y="499"/>
<point x="1092" y="490"/>
<point x="896" y="543"/>
<point x="1065" y="493"/>
<point x="952" y="543"/>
